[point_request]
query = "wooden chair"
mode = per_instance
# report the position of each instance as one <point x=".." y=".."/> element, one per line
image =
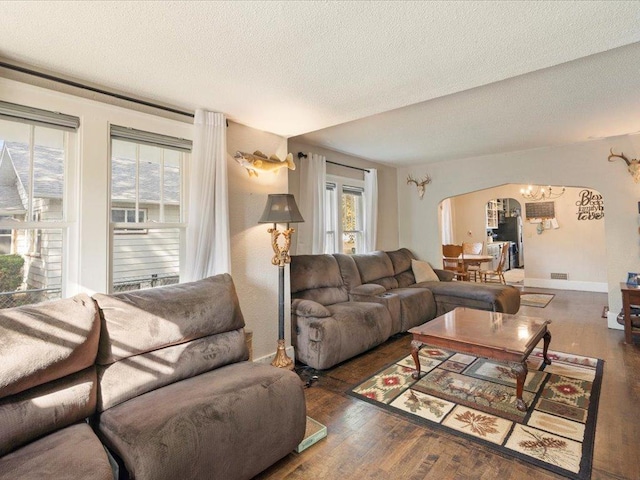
<point x="497" y="274"/>
<point x="453" y="260"/>
<point x="474" y="248"/>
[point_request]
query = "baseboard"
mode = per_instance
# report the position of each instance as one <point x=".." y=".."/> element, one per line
<point x="269" y="358"/>
<point x="599" y="287"/>
<point x="612" y="321"/>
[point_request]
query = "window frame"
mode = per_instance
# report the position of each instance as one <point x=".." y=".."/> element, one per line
<point x="34" y="225"/>
<point x="334" y="209"/>
<point x="118" y="228"/>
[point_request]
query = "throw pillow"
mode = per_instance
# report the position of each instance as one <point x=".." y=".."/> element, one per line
<point x="423" y="272"/>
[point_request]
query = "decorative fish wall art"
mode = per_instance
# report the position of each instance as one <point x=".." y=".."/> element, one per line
<point x="259" y="161"/>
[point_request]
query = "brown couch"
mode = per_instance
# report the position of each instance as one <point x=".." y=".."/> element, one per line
<point x="335" y="312"/>
<point x="168" y="390"/>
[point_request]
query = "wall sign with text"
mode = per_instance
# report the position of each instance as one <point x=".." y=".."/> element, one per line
<point x="590" y="205"/>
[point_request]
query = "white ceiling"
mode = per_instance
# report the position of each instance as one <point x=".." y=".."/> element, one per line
<point x="397" y="82"/>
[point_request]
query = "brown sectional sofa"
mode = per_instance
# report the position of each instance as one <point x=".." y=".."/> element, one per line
<point x="167" y="388"/>
<point x="336" y="300"/>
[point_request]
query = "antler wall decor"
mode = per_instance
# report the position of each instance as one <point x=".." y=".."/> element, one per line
<point x="633" y="165"/>
<point x="419" y="184"/>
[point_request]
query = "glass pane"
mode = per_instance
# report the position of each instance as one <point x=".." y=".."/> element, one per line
<point x="14" y="169"/>
<point x="159" y="180"/>
<point x="171" y="191"/>
<point x="117" y="215"/>
<point x="150" y="179"/>
<point x="48" y="173"/>
<point x="351" y="212"/>
<point x="131" y="216"/>
<point x="29" y="276"/>
<point x="123" y="171"/>
<point x="142" y="261"/>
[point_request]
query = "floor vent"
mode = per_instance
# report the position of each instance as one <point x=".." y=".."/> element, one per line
<point x="559" y="276"/>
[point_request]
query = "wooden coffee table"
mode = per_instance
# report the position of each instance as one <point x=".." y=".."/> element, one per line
<point x="498" y="336"/>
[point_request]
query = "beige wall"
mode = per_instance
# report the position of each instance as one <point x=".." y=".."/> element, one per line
<point x="255" y="277"/>
<point x="578" y="165"/>
<point x="387" y="237"/>
<point x="577" y="247"/>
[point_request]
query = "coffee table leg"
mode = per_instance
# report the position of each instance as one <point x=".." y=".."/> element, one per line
<point x="520" y="371"/>
<point x="545" y="347"/>
<point x="415" y="347"/>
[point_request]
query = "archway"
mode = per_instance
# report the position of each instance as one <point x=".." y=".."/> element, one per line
<point x="565" y="249"/>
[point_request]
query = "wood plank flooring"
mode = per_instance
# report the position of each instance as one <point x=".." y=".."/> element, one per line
<point x="367" y="442"/>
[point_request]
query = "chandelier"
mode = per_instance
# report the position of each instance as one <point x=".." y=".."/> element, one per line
<point x="540" y="193"/>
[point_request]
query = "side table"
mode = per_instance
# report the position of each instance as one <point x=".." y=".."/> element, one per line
<point x="630" y="296"/>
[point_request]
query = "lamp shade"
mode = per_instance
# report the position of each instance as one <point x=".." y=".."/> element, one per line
<point x="281" y="208"/>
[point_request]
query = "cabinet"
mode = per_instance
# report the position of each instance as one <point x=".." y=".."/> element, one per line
<point x="493" y="207"/>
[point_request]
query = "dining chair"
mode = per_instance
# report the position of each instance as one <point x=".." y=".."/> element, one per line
<point x="497" y="274"/>
<point x="453" y="261"/>
<point x="474" y="248"/>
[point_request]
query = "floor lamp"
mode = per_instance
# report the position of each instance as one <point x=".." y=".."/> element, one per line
<point x="281" y="208"/>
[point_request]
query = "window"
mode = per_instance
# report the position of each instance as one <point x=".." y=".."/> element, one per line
<point x="36" y="152"/>
<point x="344" y="215"/>
<point x="147" y="176"/>
<point x="128" y="215"/>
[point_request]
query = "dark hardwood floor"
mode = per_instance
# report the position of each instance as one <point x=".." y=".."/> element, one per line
<point x="367" y="442"/>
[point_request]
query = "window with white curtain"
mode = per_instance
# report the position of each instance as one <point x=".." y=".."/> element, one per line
<point x="344" y="215"/>
<point x="37" y="152"/>
<point x="147" y="197"/>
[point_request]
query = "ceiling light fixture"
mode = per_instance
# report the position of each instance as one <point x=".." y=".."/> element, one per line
<point x="538" y="193"/>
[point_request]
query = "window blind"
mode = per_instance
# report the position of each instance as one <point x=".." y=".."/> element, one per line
<point x="350" y="189"/>
<point x="149" y="138"/>
<point x="36" y="116"/>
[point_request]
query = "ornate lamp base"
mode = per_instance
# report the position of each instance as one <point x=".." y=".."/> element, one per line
<point x="282" y="360"/>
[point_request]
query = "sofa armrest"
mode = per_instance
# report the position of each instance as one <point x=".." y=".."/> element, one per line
<point x="444" y="275"/>
<point x="309" y="308"/>
<point x="368" y="289"/>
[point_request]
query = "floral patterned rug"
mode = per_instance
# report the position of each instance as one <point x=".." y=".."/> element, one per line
<point x="475" y="398"/>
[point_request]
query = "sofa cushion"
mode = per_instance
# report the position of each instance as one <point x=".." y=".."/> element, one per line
<point x="145" y="320"/>
<point x="73" y="453"/>
<point x="401" y="260"/>
<point x="232" y="422"/>
<point x="417" y="306"/>
<point x="46" y="341"/>
<point x="376" y="267"/>
<point x="352" y="328"/>
<point x="46" y="408"/>
<point x="499" y="298"/>
<point x="423" y="271"/>
<point x="133" y="376"/>
<point x="317" y="278"/>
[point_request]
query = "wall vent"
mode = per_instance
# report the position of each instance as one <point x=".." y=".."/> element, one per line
<point x="560" y="276"/>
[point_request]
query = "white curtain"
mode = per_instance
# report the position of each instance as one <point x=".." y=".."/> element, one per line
<point x="208" y="245"/>
<point x="370" y="209"/>
<point x="446" y="222"/>
<point x="313" y="179"/>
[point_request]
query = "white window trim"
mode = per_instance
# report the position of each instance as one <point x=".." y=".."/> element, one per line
<point x="67" y="224"/>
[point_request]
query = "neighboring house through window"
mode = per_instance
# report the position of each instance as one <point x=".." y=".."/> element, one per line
<point x="344" y="215"/>
<point x="147" y="177"/>
<point x="36" y="151"/>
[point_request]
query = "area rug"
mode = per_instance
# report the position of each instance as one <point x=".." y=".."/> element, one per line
<point x="539" y="300"/>
<point x="474" y="398"/>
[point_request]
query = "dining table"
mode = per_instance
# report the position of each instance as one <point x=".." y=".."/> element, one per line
<point x="470" y="259"/>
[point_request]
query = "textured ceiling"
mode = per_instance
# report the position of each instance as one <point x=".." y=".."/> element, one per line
<point x="329" y="70"/>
